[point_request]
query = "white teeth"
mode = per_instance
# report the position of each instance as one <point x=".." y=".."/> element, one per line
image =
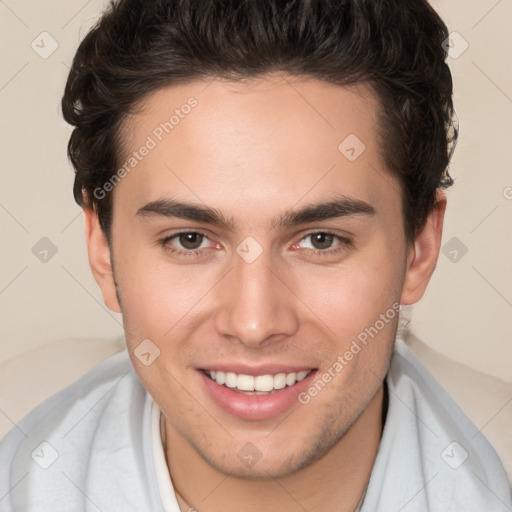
<point x="264" y="383"/>
<point x="302" y="375"/>
<point x="219" y="377"/>
<point x="280" y="381"/>
<point x="291" y="378"/>
<point x="245" y="382"/>
<point x="231" y="380"/>
<point x="261" y="384"/>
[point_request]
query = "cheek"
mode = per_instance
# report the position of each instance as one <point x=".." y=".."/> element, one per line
<point x="352" y="296"/>
<point x="156" y="294"/>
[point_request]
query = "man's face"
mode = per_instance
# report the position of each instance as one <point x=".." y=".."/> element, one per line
<point x="267" y="293"/>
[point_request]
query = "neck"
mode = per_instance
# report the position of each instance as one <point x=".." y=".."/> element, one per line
<point x="335" y="482"/>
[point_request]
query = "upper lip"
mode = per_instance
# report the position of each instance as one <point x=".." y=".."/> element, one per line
<point x="266" y="369"/>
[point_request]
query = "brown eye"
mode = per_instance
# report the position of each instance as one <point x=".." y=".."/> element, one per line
<point x="324" y="243"/>
<point x="190" y="240"/>
<point x="322" y="240"/>
<point x="188" y="243"/>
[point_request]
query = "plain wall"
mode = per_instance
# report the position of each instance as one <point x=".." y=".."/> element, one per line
<point x="467" y="311"/>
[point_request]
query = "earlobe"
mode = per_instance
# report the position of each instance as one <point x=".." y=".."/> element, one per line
<point x="100" y="259"/>
<point x="423" y="253"/>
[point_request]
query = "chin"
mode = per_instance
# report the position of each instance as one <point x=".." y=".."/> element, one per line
<point x="272" y="461"/>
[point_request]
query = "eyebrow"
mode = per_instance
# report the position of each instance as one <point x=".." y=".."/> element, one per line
<point x="336" y="208"/>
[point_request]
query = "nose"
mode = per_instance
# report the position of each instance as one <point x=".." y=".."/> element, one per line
<point x="255" y="306"/>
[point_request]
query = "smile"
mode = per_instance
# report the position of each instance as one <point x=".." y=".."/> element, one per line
<point x="259" y="384"/>
<point x="265" y="394"/>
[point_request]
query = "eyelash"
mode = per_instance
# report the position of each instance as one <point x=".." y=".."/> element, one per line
<point x="344" y="243"/>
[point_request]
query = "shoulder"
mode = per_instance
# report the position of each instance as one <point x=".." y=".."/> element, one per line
<point x="50" y="451"/>
<point x="436" y="446"/>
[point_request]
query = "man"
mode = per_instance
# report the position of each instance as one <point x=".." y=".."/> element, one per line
<point x="262" y="188"/>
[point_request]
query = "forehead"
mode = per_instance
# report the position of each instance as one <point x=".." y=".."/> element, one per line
<point x="237" y="144"/>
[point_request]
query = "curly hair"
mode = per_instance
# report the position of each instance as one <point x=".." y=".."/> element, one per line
<point x="394" y="46"/>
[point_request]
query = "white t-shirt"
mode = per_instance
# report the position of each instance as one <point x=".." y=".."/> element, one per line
<point x="96" y="446"/>
<point x="165" y="487"/>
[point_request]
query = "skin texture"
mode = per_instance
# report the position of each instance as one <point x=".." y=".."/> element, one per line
<point x="253" y="151"/>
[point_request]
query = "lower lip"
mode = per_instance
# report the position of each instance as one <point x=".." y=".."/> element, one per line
<point x="255" y="407"/>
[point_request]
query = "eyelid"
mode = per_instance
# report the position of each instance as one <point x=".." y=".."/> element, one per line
<point x="344" y="244"/>
<point x="343" y="240"/>
<point x="166" y="239"/>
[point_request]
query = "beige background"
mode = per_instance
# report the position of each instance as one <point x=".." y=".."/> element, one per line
<point x="467" y="311"/>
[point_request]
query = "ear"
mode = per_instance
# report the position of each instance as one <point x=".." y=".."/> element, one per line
<point x="100" y="259"/>
<point x="423" y="253"/>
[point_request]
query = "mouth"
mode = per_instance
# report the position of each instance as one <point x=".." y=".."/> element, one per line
<point x="256" y="385"/>
<point x="262" y="396"/>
